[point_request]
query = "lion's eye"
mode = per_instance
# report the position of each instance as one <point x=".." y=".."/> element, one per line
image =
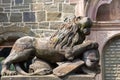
<point x="92" y="55"/>
<point x="93" y="60"/>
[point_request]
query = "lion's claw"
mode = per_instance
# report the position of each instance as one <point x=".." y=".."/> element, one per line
<point x="8" y="73"/>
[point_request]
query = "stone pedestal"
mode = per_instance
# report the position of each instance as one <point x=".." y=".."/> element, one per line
<point x="49" y="77"/>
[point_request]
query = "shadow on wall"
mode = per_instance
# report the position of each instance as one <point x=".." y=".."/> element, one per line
<point x="4" y="52"/>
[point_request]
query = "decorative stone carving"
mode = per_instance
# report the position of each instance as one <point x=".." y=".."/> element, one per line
<point x="91" y="7"/>
<point x="67" y="45"/>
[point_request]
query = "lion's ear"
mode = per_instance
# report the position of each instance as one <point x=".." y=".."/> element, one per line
<point x="89" y="23"/>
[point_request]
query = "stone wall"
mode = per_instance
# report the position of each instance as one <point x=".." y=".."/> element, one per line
<point x="42" y="16"/>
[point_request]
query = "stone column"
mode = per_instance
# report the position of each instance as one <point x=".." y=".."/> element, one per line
<point x="79" y="9"/>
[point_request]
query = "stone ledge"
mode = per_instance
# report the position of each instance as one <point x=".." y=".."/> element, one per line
<point x="80" y="77"/>
<point x="48" y="77"/>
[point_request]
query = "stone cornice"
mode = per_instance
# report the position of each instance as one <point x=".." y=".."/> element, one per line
<point x="106" y="25"/>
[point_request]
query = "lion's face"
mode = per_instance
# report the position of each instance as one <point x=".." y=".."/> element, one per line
<point x="85" y="24"/>
<point x="91" y="58"/>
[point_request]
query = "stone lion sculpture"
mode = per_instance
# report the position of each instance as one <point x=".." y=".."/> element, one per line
<point x="67" y="44"/>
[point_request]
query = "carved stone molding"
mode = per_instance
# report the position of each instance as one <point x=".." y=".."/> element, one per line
<point x="89" y="7"/>
<point x="92" y="7"/>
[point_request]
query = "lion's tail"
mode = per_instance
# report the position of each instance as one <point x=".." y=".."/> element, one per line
<point x="20" y="70"/>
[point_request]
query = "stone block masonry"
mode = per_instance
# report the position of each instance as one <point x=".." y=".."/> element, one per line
<point x="16" y="17"/>
<point x="39" y="15"/>
<point x="29" y="16"/>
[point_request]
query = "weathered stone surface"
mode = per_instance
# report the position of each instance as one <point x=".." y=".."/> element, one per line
<point x="15" y="10"/>
<point x="13" y="28"/>
<point x="54" y="16"/>
<point x="33" y="11"/>
<point x="67" y="15"/>
<point x="24" y="10"/>
<point x="41" y="16"/>
<point x="32" y="25"/>
<point x="74" y="1"/>
<point x="45" y="30"/>
<point x="60" y="7"/>
<point x="18" y="1"/>
<point x="29" y="1"/>
<point x="37" y="6"/>
<point x="7" y="7"/>
<point x="4" y="5"/>
<point x="49" y="77"/>
<point x="7" y="10"/>
<point x="20" y="7"/>
<point x="55" y="25"/>
<point x="16" y="17"/>
<point x="7" y="24"/>
<point x="67" y="1"/>
<point x="1" y="9"/>
<point x="51" y="8"/>
<point x="68" y="8"/>
<point x="67" y="68"/>
<point x="109" y="12"/>
<point x="6" y="1"/>
<point x="48" y="1"/>
<point x="47" y="34"/>
<point x="29" y="16"/>
<point x="3" y="17"/>
<point x="39" y="1"/>
<point x="45" y="1"/>
<point x="44" y="25"/>
<point x="80" y="77"/>
<point x="59" y="1"/>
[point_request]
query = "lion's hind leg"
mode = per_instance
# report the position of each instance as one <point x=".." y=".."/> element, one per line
<point x="6" y="65"/>
<point x="16" y="57"/>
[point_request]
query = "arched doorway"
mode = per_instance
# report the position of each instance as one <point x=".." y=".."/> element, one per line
<point x="111" y="59"/>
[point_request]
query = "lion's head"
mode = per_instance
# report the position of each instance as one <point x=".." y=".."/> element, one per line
<point x="84" y="24"/>
<point x="72" y="32"/>
<point x="91" y="58"/>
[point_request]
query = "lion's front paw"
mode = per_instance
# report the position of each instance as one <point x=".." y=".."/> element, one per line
<point x="8" y="73"/>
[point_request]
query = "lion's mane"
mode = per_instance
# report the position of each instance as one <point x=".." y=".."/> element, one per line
<point x="69" y="34"/>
